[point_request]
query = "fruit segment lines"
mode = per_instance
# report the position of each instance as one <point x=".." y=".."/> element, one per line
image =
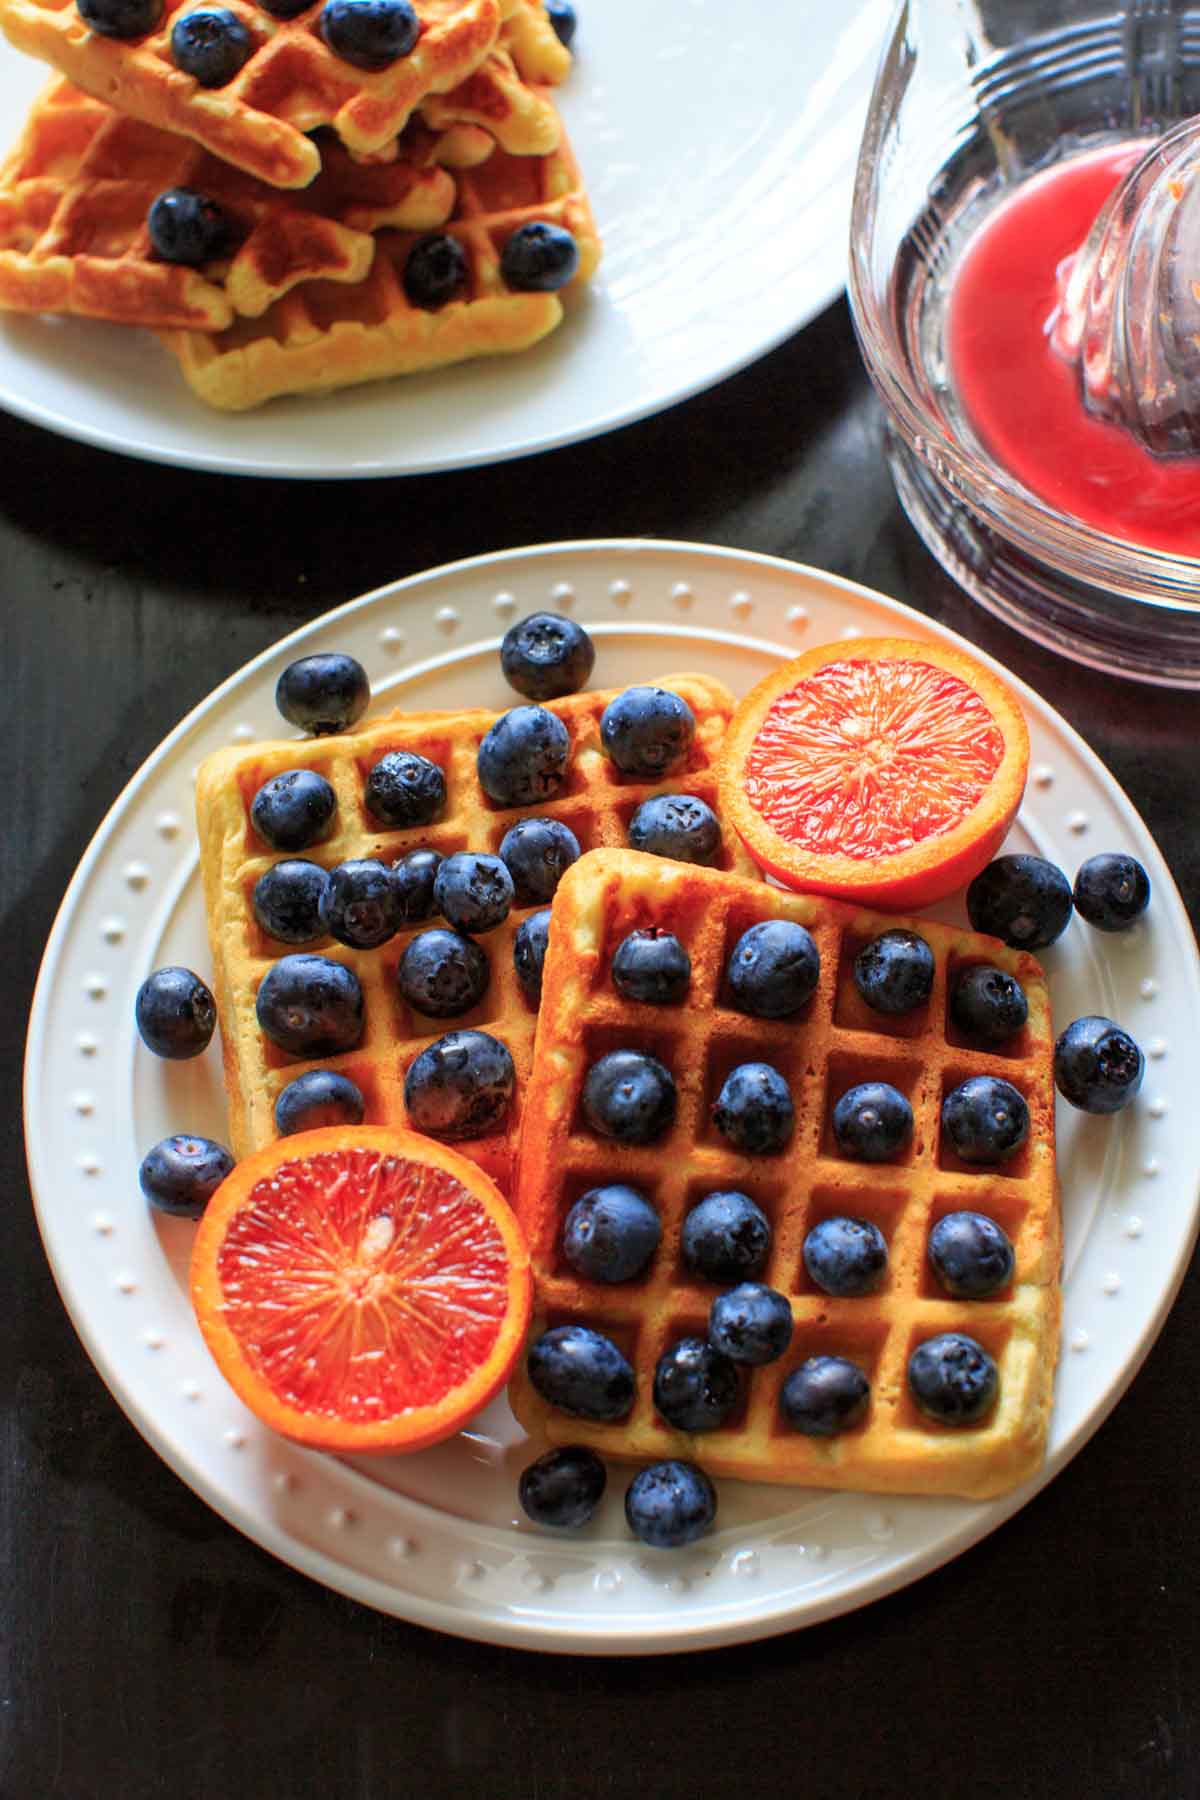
<point x="831" y="1045"/>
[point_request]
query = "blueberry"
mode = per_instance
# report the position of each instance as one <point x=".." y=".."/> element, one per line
<point x="360" y="906"/>
<point x="523" y="758"/>
<point x="678" y="826"/>
<point x="546" y="656"/>
<point x="211" y="45"/>
<point x="181" y="1174"/>
<point x="1097" y="1066"/>
<point x="1023" y="899"/>
<point x="582" y="1372"/>
<point x="726" y="1238"/>
<point x="824" y="1396"/>
<point x="647" y="731"/>
<point x="539" y="258"/>
<point x="750" y="1324"/>
<point x="670" y="1504"/>
<point x="460" y="1086"/>
<point x="473" y="892"/>
<point x="287" y="900"/>
<point x="872" y="1122"/>
<point x="121" y="18"/>
<point x="611" y="1233"/>
<point x="294" y="810"/>
<point x="561" y="15"/>
<point x="1111" y="891"/>
<point x="563" y="1488"/>
<point x="324" y="693"/>
<point x="773" y="970"/>
<point x="629" y="1096"/>
<point x="652" y="967"/>
<point x="405" y="789"/>
<point x="971" y="1255"/>
<point x="846" y="1257"/>
<point x="695" y="1386"/>
<point x="435" y="271"/>
<point x="985" y="1119"/>
<point x="371" y="34"/>
<point x="529" y="953"/>
<point x="754" y="1110"/>
<point x="442" y="973"/>
<point x="988" y="1004"/>
<point x="316" y="1098"/>
<point x="894" y="972"/>
<point x="537" y="854"/>
<point x="310" y="1006"/>
<point x="413" y="876"/>
<point x="175" y="1013"/>
<point x="953" y="1379"/>
<point x="187" y="227"/>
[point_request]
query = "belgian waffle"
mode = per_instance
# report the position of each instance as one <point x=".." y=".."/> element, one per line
<point x="596" y="802"/>
<point x="324" y="335"/>
<point x="833" y="1044"/>
<point x="536" y="48"/>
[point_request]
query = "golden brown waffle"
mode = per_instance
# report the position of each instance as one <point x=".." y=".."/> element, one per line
<point x="834" y="1043"/>
<point x="495" y="97"/>
<point x="596" y="802"/>
<point x="76" y="190"/>
<point x="324" y="335"/>
<point x="534" y="44"/>
<point x="291" y="85"/>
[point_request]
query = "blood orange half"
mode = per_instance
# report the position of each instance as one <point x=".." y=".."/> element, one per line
<point x="877" y="769"/>
<point x="361" y="1288"/>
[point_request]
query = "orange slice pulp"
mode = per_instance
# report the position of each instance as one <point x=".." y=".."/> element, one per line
<point x="879" y="770"/>
<point x="361" y="1288"/>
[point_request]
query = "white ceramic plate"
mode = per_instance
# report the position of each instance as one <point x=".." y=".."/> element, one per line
<point x="719" y="152"/>
<point x="438" y="1537"/>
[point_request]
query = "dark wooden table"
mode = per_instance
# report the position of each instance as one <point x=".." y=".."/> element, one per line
<point x="150" y="1650"/>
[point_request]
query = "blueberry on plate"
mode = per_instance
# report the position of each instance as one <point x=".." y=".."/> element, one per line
<point x="318" y="1097"/>
<point x="695" y="1386"/>
<point x="435" y="271"/>
<point x="1112" y="891"/>
<point x="529" y="953"/>
<point x="546" y="656"/>
<point x="175" y="1014"/>
<point x="404" y="789"/>
<point x="647" y="731"/>
<point x="846" y="1257"/>
<point x="629" y="1096"/>
<point x="460" y="1086"/>
<point x="323" y="694"/>
<point x="360" y="906"/>
<point x="287" y="900"/>
<point x="473" y="891"/>
<point x="611" y="1233"/>
<point x="651" y="967"/>
<point x="181" y="1174"/>
<point x="825" y="1396"/>
<point x="211" y="45"/>
<point x="670" y="1504"/>
<point x="121" y="18"/>
<point x="986" y="1119"/>
<point x="953" y="1379"/>
<point x="970" y="1255"/>
<point x="582" y="1372"/>
<point x="563" y="1488"/>
<point x="894" y="972"/>
<point x="370" y="34"/>
<point x="562" y="16"/>
<point x="537" y="854"/>
<point x="988" y="1004"/>
<point x="310" y="1006"/>
<point x="187" y="227"/>
<point x="1098" y="1067"/>
<point x="750" y="1324"/>
<point x="872" y="1122"/>
<point x="773" y="970"/>
<point x="413" y="876"/>
<point x="294" y="810"/>
<point x="754" y="1110"/>
<point x="539" y="258"/>
<point x="1024" y="900"/>
<point x="679" y="826"/>
<point x="726" y="1238"/>
<point x="442" y="973"/>
<point x="523" y="758"/>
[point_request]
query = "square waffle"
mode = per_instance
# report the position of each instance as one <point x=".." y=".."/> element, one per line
<point x="596" y="802"/>
<point x="835" y="1042"/>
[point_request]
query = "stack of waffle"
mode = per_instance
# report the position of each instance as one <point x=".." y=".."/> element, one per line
<point x="326" y="175"/>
